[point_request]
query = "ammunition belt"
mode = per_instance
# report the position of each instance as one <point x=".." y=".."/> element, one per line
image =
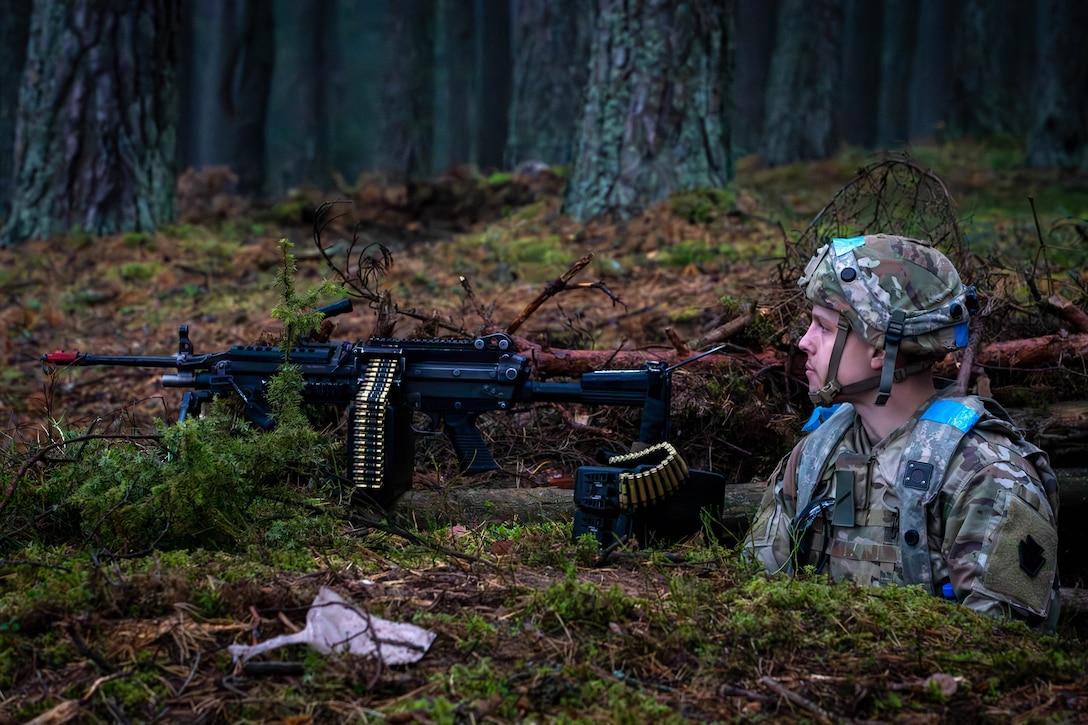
<point x="368" y="449"/>
<point x="646" y="486"/>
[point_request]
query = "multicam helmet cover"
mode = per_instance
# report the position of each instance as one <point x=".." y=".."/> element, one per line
<point x="897" y="294"/>
<point x="868" y="278"/>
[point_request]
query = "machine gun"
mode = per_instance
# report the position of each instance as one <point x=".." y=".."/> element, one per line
<point x="382" y="383"/>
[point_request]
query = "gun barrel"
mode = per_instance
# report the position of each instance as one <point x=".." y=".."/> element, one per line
<point x="60" y="357"/>
<point x="184" y="379"/>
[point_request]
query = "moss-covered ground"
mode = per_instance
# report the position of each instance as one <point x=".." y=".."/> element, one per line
<point x="134" y="551"/>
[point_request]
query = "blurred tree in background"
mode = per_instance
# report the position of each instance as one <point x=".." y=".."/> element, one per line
<point x="95" y="130"/>
<point x="637" y="99"/>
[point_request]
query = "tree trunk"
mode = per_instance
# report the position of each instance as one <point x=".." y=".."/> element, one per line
<point x="493" y="78"/>
<point x="753" y="46"/>
<point x="297" y="139"/>
<point x="14" y="29"/>
<point x="802" y="93"/>
<point x="456" y="92"/>
<point x="655" y="118"/>
<point x="993" y="41"/>
<point x="1061" y="123"/>
<point x="244" y="88"/>
<point x="406" y="124"/>
<point x="95" y="131"/>
<point x="931" y="77"/>
<point x="860" y="71"/>
<point x="900" y="23"/>
<point x="550" y="69"/>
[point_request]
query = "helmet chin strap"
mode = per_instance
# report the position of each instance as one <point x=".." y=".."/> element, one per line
<point x="831" y="389"/>
<point x="892" y="338"/>
<point x="889" y="374"/>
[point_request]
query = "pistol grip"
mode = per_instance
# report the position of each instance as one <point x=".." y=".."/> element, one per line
<point x="473" y="455"/>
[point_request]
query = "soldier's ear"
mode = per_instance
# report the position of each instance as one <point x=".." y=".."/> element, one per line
<point x="877" y="361"/>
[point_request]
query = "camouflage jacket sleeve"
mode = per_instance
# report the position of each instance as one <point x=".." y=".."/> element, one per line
<point x="998" y="532"/>
<point x="768" y="540"/>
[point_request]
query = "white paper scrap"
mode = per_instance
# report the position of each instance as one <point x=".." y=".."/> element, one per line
<point x="334" y="625"/>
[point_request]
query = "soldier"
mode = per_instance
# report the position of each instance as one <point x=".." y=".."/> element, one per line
<point x="910" y="485"/>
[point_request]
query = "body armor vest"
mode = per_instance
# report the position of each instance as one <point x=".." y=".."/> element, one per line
<point x="885" y="504"/>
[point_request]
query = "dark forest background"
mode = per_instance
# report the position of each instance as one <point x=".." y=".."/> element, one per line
<point x="105" y="104"/>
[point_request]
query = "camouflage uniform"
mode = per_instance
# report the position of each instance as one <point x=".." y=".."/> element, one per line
<point x="990" y="506"/>
<point x="990" y="523"/>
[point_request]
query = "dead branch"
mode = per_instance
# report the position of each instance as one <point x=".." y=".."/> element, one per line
<point x="723" y="332"/>
<point x="561" y="284"/>
<point x="387" y="315"/>
<point x="967" y="365"/>
<point x="372" y="260"/>
<point x="1033" y="352"/>
<point x="821" y="714"/>
<point x="485" y="313"/>
<point x="1065" y="310"/>
<point x="677" y="344"/>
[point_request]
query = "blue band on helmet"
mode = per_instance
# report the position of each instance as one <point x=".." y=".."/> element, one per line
<point x="961" y="334"/>
<point x="951" y="413"/>
<point x="842" y="246"/>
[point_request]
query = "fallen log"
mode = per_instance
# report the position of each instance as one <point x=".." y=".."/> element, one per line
<point x="1067" y="311"/>
<point x="553" y="362"/>
<point x="473" y="506"/>
<point x="1025" y="353"/>
<point x="1060" y="429"/>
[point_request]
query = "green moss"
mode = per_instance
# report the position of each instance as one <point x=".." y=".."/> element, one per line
<point x="548" y="251"/>
<point x="528" y="212"/>
<point x="697" y="252"/>
<point x="290" y="212"/>
<point x="78" y="238"/>
<point x="139" y="271"/>
<point x="137" y="239"/>
<point x="701" y="206"/>
<point x="687" y="314"/>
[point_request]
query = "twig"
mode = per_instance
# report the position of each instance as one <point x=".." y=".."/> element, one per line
<point x="723" y="332"/>
<point x="967" y="365"/>
<point x="1042" y="249"/>
<point x="84" y="649"/>
<point x="273" y="669"/>
<point x="369" y="267"/>
<point x="678" y="344"/>
<point x="799" y="700"/>
<point x="470" y="294"/>
<point x="558" y="285"/>
<point x="397" y="530"/>
<point x="732" y="691"/>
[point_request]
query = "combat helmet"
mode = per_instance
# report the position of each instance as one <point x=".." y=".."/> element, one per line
<point x="899" y="295"/>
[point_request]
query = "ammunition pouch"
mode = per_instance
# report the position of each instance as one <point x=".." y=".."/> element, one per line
<point x="650" y="496"/>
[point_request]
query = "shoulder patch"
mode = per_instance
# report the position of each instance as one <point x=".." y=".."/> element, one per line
<point x="1021" y="557"/>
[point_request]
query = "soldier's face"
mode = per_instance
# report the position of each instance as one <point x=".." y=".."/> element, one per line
<point x="859" y="358"/>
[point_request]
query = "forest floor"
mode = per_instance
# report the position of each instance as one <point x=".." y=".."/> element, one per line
<point x="530" y="625"/>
